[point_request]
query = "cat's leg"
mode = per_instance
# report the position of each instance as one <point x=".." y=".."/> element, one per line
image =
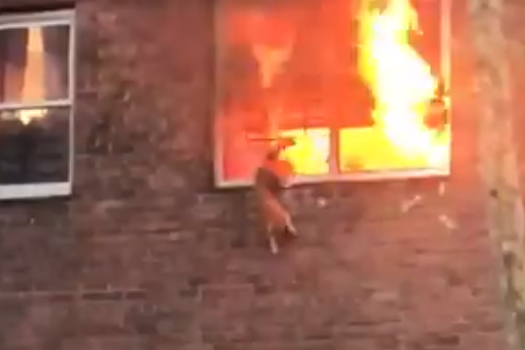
<point x="274" y="247"/>
<point x="289" y="226"/>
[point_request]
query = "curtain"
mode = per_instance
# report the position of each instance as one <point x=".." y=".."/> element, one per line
<point x="13" y="58"/>
<point x="56" y="61"/>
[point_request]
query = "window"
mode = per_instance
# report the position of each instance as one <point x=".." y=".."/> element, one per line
<point x="362" y="91"/>
<point x="36" y="104"/>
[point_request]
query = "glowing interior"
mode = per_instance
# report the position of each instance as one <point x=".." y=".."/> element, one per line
<point x="403" y="88"/>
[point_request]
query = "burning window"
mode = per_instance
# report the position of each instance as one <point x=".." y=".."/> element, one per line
<point x="359" y="85"/>
<point x="35" y="105"/>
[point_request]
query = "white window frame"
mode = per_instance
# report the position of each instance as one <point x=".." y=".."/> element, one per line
<point x="334" y="172"/>
<point x="54" y="189"/>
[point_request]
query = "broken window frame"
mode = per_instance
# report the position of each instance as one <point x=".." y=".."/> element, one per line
<point x="44" y="19"/>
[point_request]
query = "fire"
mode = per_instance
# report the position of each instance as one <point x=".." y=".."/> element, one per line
<point x="310" y="155"/>
<point x="400" y="80"/>
<point x="403" y="87"/>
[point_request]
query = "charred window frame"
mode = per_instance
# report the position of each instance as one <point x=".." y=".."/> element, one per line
<point x="335" y="170"/>
<point x="37" y="89"/>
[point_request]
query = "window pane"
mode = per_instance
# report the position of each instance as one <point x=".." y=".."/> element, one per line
<point x="34" y="146"/>
<point x="281" y="71"/>
<point x="373" y="149"/>
<point x="311" y="152"/>
<point x="411" y="129"/>
<point x="243" y="152"/>
<point x="34" y="64"/>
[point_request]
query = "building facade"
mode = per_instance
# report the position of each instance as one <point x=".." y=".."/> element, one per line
<point x="140" y="249"/>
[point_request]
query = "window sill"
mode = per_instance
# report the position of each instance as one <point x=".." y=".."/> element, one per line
<point x="356" y="177"/>
<point x="35" y="191"/>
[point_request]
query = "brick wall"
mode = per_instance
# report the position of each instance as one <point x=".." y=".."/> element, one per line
<point x="147" y="255"/>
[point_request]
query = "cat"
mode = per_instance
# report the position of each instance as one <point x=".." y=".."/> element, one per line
<point x="271" y="177"/>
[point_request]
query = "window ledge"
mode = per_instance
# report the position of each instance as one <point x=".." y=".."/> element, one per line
<point x="356" y="177"/>
<point x="35" y="191"/>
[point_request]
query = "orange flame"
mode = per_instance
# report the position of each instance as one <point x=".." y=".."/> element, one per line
<point x="403" y="88"/>
<point x="400" y="80"/>
<point x="310" y="154"/>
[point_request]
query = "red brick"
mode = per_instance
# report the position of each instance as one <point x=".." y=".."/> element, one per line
<point x="147" y="254"/>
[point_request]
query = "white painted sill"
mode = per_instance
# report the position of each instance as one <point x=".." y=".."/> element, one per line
<point x="35" y="191"/>
<point x="356" y="177"/>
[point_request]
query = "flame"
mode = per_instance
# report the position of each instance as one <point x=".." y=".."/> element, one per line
<point x="403" y="87"/>
<point x="270" y="60"/>
<point x="400" y="80"/>
<point x="310" y="154"/>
